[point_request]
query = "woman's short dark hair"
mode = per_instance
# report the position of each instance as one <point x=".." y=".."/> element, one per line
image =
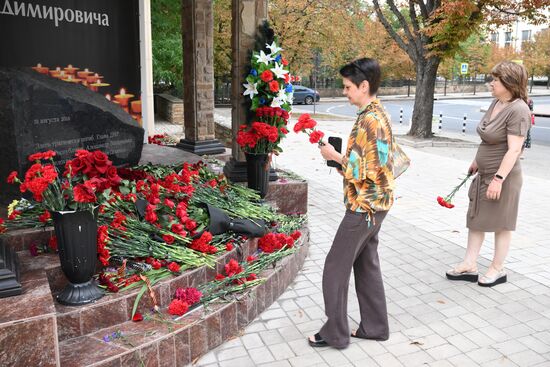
<point x="363" y="69"/>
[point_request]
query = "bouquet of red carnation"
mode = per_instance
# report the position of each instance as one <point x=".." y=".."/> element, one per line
<point x="446" y="201"/>
<point x="161" y="139"/>
<point x="85" y="177"/>
<point x="307" y="125"/>
<point x="264" y="135"/>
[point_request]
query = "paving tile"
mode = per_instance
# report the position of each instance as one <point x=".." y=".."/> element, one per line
<point x="281" y="351"/>
<point x="387" y="360"/>
<point x="241" y="362"/>
<point x="334" y="357"/>
<point x="443" y="351"/>
<point x="527" y="358"/>
<point x="260" y="355"/>
<point x="306" y="360"/>
<point x="251" y="341"/>
<point x="417" y="358"/>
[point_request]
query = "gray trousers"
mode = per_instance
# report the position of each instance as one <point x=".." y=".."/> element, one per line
<point x="355" y="245"/>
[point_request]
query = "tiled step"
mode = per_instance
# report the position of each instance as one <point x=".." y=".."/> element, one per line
<point x="116" y="308"/>
<point x="36" y="330"/>
<point x="156" y="342"/>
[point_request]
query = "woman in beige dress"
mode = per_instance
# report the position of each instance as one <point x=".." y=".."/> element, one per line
<point x="495" y="190"/>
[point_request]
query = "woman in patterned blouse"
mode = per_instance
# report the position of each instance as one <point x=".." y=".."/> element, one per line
<point x="368" y="195"/>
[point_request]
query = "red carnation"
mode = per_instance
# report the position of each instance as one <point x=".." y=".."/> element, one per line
<point x="168" y="239"/>
<point x="44" y="217"/>
<point x="316" y="136"/>
<point x="190" y="225"/>
<point x="174" y="267"/>
<point x="284" y="61"/>
<point x="274" y="86"/>
<point x="156" y="264"/>
<point x="84" y="193"/>
<point x="178" y="307"/>
<point x="232" y="268"/>
<point x="49" y="154"/>
<point x="266" y="76"/>
<point x="52" y="243"/>
<point x="295" y="235"/>
<point x="189" y="295"/>
<point x="219" y="277"/>
<point x="137" y="317"/>
<point x="229" y="246"/>
<point x="12" y="177"/>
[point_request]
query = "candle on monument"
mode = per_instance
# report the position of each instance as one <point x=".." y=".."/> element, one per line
<point x="95" y="86"/>
<point x="123" y="97"/>
<point x="41" y="69"/>
<point x="83" y="74"/>
<point x="55" y="72"/>
<point x="70" y="69"/>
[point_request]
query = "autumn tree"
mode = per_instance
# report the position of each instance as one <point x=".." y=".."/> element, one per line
<point x="537" y="56"/>
<point x="430" y="30"/>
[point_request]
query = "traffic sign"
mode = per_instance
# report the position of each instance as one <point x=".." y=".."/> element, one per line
<point x="463" y="68"/>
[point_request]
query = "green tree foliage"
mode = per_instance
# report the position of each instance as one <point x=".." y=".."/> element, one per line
<point x="167" y="46"/>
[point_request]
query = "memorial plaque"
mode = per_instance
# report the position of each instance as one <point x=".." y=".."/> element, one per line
<point x="39" y="113"/>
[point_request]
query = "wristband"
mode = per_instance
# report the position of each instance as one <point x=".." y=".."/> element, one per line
<point x="499" y="177"/>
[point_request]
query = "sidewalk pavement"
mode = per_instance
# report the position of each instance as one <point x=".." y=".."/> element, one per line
<point x="481" y="93"/>
<point x="433" y="321"/>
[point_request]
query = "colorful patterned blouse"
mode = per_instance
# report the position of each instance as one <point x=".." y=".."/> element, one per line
<point x="367" y="164"/>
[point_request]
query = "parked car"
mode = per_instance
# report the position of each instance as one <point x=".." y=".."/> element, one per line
<point x="305" y="95"/>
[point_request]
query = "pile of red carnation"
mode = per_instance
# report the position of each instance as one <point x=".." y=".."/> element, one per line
<point x="272" y="242"/>
<point x="202" y="244"/>
<point x="183" y="299"/>
<point x="265" y="133"/>
<point x="307" y="125"/>
<point x="159" y="139"/>
<point x="233" y="268"/>
<point x="88" y="174"/>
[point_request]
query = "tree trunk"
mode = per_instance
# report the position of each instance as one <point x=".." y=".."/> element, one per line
<point x="426" y="72"/>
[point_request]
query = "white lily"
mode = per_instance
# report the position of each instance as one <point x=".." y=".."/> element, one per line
<point x="282" y="96"/>
<point x="273" y="47"/>
<point x="277" y="102"/>
<point x="279" y="71"/>
<point x="251" y="89"/>
<point x="262" y="57"/>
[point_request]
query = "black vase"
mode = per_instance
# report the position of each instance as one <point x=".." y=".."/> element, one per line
<point x="76" y="233"/>
<point x="257" y="170"/>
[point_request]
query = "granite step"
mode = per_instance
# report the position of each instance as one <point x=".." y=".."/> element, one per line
<point x="116" y="308"/>
<point x="160" y="340"/>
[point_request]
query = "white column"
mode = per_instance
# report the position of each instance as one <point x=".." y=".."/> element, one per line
<point x="146" y="63"/>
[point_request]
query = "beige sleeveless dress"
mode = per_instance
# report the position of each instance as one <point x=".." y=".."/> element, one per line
<point x="497" y="215"/>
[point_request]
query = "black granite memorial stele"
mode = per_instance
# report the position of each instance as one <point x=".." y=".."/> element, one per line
<point x="39" y="113"/>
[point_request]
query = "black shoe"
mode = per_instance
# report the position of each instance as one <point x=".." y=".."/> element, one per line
<point x="500" y="278"/>
<point x="319" y="342"/>
<point x="361" y="336"/>
<point x="469" y="276"/>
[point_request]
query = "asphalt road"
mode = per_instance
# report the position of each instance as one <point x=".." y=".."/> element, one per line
<point x="452" y="110"/>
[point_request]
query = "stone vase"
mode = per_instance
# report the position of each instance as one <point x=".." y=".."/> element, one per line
<point x="76" y="233"/>
<point x="257" y="170"/>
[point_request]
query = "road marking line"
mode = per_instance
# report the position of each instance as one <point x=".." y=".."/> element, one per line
<point x="339" y="106"/>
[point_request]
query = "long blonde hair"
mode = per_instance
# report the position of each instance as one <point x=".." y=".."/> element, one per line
<point x="514" y="78"/>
